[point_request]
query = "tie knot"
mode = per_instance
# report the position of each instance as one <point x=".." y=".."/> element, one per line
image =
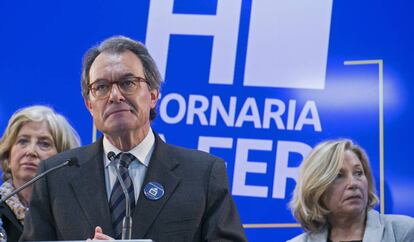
<point x="125" y="159"/>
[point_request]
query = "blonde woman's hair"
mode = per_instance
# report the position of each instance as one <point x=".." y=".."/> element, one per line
<point x="64" y="135"/>
<point x="316" y="172"/>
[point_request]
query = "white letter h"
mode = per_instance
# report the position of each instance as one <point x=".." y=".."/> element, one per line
<point x="224" y="27"/>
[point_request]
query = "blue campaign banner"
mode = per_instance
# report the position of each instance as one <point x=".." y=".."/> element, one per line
<point x="258" y="83"/>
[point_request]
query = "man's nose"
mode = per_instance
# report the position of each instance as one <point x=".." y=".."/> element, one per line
<point x="115" y="94"/>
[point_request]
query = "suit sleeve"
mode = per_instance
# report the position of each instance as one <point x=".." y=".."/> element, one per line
<point x="221" y="220"/>
<point x="405" y="228"/>
<point x="38" y="222"/>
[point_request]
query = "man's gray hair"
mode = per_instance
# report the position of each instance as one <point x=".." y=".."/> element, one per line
<point x="120" y="44"/>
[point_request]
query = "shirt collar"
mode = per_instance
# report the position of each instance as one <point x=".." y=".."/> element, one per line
<point x="142" y="151"/>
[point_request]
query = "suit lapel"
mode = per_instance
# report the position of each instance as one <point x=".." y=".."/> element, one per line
<point x="7" y="212"/>
<point x="159" y="170"/>
<point x="89" y="188"/>
<point x="374" y="229"/>
<point x="319" y="236"/>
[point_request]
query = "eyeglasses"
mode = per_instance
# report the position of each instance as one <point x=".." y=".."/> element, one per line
<point x="127" y="85"/>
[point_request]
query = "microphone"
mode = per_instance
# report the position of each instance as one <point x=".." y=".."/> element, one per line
<point x="69" y="162"/>
<point x="127" y="221"/>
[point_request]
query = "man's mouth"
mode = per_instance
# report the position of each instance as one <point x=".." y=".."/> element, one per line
<point x="117" y="111"/>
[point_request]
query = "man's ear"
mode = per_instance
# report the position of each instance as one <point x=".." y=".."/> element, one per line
<point x="155" y="93"/>
<point x="88" y="104"/>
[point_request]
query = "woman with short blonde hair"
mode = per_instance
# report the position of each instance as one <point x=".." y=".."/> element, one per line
<point x="33" y="133"/>
<point x="335" y="190"/>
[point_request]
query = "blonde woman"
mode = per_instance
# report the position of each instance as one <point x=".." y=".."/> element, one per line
<point x="33" y="134"/>
<point x="335" y="195"/>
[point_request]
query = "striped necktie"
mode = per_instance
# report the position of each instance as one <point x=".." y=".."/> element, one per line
<point x="117" y="200"/>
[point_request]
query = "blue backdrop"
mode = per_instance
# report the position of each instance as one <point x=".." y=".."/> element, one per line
<point x="258" y="83"/>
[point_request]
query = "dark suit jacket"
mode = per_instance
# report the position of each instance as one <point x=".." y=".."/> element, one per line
<point x="196" y="206"/>
<point x="10" y="223"/>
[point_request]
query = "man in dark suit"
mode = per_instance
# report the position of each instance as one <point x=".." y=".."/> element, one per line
<point x="177" y="194"/>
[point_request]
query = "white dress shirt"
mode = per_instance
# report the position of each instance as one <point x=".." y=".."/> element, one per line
<point x="137" y="169"/>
